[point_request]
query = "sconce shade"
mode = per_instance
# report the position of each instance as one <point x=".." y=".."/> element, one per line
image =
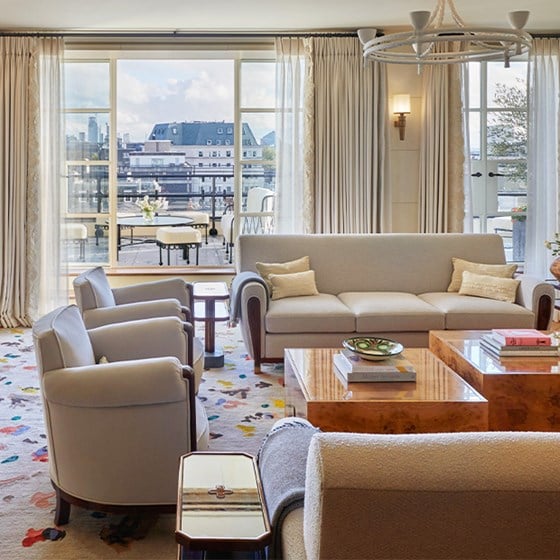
<point x="401" y="103"/>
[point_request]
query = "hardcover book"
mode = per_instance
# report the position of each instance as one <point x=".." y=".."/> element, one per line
<point x="490" y="344"/>
<point x="390" y="370"/>
<point x="521" y="337"/>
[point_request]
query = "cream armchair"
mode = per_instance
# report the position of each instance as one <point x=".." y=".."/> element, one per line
<point x="116" y="430"/>
<point x="102" y="305"/>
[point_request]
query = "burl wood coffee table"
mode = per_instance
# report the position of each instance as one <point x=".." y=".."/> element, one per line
<point x="439" y="400"/>
<point x="523" y="393"/>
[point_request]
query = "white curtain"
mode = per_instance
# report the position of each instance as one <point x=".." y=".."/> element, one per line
<point x="30" y="169"/>
<point x="294" y="143"/>
<point x="543" y="179"/>
<point x="351" y="191"/>
<point x="442" y="200"/>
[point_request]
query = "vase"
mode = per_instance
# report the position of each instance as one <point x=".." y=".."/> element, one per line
<point x="555" y="268"/>
<point x="148" y="217"/>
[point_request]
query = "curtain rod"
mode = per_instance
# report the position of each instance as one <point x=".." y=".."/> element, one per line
<point x="174" y="34"/>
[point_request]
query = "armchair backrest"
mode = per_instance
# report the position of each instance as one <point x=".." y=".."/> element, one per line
<point x="61" y="340"/>
<point x="92" y="290"/>
<point x="472" y="495"/>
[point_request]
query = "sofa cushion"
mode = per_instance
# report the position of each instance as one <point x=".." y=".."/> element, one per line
<point x="392" y="311"/>
<point x="293" y="285"/>
<point x="460" y="265"/>
<point x="502" y="289"/>
<point x="470" y="312"/>
<point x="320" y="313"/>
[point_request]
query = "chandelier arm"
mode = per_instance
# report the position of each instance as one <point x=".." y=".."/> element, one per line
<point x="455" y="14"/>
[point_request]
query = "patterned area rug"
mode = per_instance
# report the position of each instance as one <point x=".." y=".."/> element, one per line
<point x="241" y="408"/>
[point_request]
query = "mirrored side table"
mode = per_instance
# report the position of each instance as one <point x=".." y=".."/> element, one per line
<point x="221" y="505"/>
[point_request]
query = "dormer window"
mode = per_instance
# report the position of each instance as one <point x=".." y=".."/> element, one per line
<point x="208" y="142"/>
<point x="220" y="130"/>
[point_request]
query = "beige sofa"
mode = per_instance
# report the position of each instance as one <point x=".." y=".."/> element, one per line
<point x="492" y="495"/>
<point x="393" y="285"/>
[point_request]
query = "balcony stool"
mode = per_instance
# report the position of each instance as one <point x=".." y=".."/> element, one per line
<point x="76" y="234"/>
<point x="183" y="238"/>
<point x="200" y="220"/>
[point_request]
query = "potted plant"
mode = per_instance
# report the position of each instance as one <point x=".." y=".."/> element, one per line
<point x="554" y="246"/>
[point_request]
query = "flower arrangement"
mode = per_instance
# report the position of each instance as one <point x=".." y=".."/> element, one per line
<point x="554" y="245"/>
<point x="517" y="216"/>
<point x="148" y="207"/>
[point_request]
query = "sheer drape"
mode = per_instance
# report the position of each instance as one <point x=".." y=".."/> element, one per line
<point x="294" y="143"/>
<point x="442" y="201"/>
<point x="30" y="168"/>
<point x="543" y="154"/>
<point x="351" y="180"/>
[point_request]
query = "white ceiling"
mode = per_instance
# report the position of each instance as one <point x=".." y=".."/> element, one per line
<point x="255" y="15"/>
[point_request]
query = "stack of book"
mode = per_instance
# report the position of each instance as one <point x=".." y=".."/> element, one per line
<point x="354" y="369"/>
<point x="504" y="343"/>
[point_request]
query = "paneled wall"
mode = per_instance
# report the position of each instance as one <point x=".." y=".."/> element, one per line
<point x="404" y="78"/>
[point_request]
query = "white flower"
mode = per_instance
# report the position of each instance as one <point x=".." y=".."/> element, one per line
<point x="149" y="206"/>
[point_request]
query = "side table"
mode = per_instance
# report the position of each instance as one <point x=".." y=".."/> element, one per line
<point x="221" y="506"/>
<point x="210" y="306"/>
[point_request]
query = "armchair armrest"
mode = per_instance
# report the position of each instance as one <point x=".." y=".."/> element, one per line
<point x="538" y="296"/>
<point x="162" y="336"/>
<point x="100" y="316"/>
<point x="120" y="384"/>
<point x="159" y="289"/>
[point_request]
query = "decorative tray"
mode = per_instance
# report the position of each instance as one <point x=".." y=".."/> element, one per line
<point x="373" y="348"/>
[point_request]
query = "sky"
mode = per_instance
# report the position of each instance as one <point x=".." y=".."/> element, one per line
<point x="151" y="91"/>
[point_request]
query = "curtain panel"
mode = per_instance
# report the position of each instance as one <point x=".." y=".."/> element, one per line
<point x="294" y="141"/>
<point x="441" y="196"/>
<point x="543" y="165"/>
<point x="350" y="176"/>
<point x="30" y="170"/>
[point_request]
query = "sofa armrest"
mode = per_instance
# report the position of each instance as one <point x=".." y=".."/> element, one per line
<point x="249" y="304"/>
<point x="120" y="384"/>
<point x="162" y="336"/>
<point x="134" y="312"/>
<point x="538" y="296"/>
<point x="159" y="289"/>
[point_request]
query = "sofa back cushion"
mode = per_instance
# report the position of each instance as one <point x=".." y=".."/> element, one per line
<point x="450" y="495"/>
<point x="92" y="290"/>
<point x="400" y="262"/>
<point x="61" y="340"/>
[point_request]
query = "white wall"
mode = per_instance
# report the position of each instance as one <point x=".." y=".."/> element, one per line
<point x="405" y="154"/>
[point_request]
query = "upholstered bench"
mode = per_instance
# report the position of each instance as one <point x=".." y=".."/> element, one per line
<point x="76" y="234"/>
<point x="200" y="220"/>
<point x="183" y="238"/>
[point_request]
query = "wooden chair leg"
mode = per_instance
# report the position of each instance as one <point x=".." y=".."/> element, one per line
<point x="62" y="511"/>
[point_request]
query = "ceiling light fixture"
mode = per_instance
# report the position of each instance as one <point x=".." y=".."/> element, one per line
<point x="429" y="42"/>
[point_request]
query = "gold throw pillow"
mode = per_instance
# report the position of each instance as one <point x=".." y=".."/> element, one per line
<point x="291" y="285"/>
<point x="460" y="265"/>
<point x="492" y="287"/>
<point x="266" y="269"/>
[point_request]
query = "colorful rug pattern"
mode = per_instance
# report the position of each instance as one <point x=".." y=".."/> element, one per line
<point x="241" y="408"/>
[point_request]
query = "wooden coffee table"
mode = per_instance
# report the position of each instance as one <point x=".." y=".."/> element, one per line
<point x="439" y="400"/>
<point x="523" y="393"/>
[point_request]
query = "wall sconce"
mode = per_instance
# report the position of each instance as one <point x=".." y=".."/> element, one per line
<point x="401" y="107"/>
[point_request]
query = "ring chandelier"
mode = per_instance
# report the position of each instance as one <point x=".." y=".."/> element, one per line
<point x="468" y="43"/>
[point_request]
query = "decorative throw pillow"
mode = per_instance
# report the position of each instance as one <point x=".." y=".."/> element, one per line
<point x="460" y="265"/>
<point x="266" y="269"/>
<point x="291" y="285"/>
<point x="492" y="287"/>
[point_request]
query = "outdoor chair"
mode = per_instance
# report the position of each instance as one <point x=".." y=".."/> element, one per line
<point x="120" y="409"/>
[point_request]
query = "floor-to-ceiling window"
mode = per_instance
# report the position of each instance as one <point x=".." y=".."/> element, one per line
<point x="194" y="131"/>
<point x="497" y="113"/>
